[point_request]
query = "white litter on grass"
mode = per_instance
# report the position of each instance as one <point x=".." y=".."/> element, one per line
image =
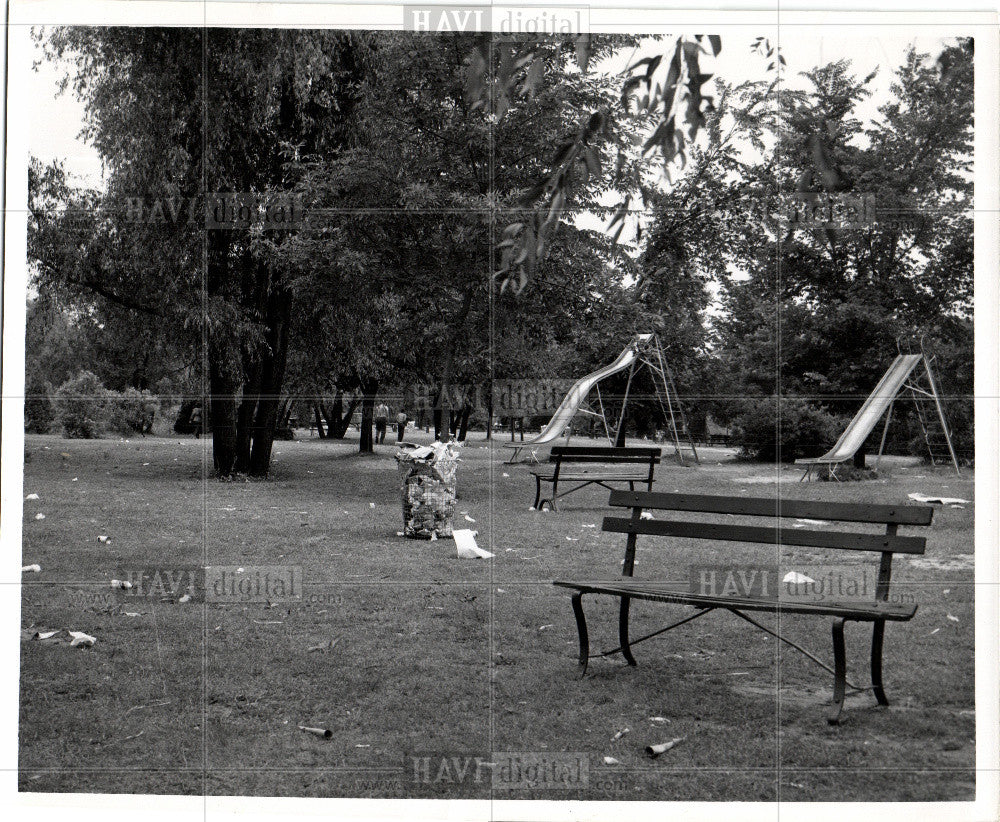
<point x="610" y="760"/>
<point x="545" y="627"/>
<point x="946" y="591"/>
<point x="620" y="734"/>
<point x="941" y="500"/>
<point x="32" y="496"/>
<point x="185" y="598"/>
<point x="501" y="591"/>
<point x="77" y="639"/>
<point x="39" y="516"/>
<point x="135" y="614"/>
<point x="588" y="525"/>
<point x="507" y="475"/>
<point x="371" y="504"/>
<point x="145" y="463"/>
<point x="573" y="539"/>
<point x="658" y="719"/>
<point x="400" y="534"/>
<point x="934" y="632"/>
<point x="74" y="479"/>
<point x="434" y="536"/>
<point x="468" y="518"/>
<point x="102" y="537"/>
<point x="31" y="569"/>
<point x="953" y="618"/>
<point x="796" y="578"/>
<point x="121" y="584"/>
<point x="465" y="544"/>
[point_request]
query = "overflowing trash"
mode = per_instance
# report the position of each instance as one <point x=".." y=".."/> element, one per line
<point x="427" y="484"/>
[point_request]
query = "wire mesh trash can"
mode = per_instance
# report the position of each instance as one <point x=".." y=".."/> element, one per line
<point x="427" y="486"/>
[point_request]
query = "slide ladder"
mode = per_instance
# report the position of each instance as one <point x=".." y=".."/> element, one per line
<point x="926" y="397"/>
<point x="666" y="395"/>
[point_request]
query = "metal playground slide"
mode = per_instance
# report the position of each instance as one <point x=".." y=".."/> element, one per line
<point x="571" y="403"/>
<point x="870" y="413"/>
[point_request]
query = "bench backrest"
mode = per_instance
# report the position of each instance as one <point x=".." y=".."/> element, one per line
<point x="773" y="533"/>
<point x="583" y="453"/>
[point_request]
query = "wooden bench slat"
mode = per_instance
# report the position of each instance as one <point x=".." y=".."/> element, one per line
<point x="665" y="592"/>
<point x="774" y="535"/>
<point x="645" y="459"/>
<point x="774" y="507"/>
<point x="578" y="475"/>
<point x="583" y="450"/>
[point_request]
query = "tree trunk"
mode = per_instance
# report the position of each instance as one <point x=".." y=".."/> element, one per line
<point x="463" y="422"/>
<point x="860" y="456"/>
<point x="368" y="390"/>
<point x="319" y="420"/>
<point x="341" y="419"/>
<point x="223" y="414"/>
<point x="272" y="379"/>
<point x="244" y="416"/>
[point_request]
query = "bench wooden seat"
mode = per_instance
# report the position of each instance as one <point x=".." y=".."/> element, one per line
<point x="594" y="466"/>
<point x="768" y="598"/>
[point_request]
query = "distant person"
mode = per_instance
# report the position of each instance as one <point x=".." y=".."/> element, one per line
<point x="401" y="420"/>
<point x="196" y="421"/>
<point x="381" y="420"/>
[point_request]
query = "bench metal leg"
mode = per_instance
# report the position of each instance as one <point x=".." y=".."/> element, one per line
<point x="538" y="492"/>
<point x="878" y="631"/>
<point x="581" y="627"/>
<point x="840" y="671"/>
<point x="623" y="631"/>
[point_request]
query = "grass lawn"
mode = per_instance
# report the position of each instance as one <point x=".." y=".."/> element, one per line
<point x="441" y="657"/>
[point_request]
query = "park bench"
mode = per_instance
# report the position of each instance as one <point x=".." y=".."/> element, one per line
<point x="594" y="466"/>
<point x="738" y="599"/>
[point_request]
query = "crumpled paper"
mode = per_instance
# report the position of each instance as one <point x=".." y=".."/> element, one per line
<point x="465" y="543"/>
<point x="64" y="636"/>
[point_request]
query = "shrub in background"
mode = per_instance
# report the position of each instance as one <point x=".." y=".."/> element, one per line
<point x="38" y="412"/>
<point x="131" y="411"/>
<point x="801" y="429"/>
<point x="81" y="406"/>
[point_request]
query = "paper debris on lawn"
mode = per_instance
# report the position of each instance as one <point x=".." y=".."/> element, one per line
<point x="507" y="475"/>
<point x="31" y="569"/>
<point x="32" y="496"/>
<point x="941" y="500"/>
<point x="102" y="537"/>
<point x="465" y="543"/>
<point x="468" y="518"/>
<point x="610" y="760"/>
<point x="796" y="578"/>
<point x="620" y="734"/>
<point x="658" y="719"/>
<point x="371" y="504"/>
<point x="64" y="636"/>
<point x="39" y="516"/>
<point x="953" y="618"/>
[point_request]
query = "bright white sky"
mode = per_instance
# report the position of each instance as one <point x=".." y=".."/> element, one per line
<point x="56" y="120"/>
